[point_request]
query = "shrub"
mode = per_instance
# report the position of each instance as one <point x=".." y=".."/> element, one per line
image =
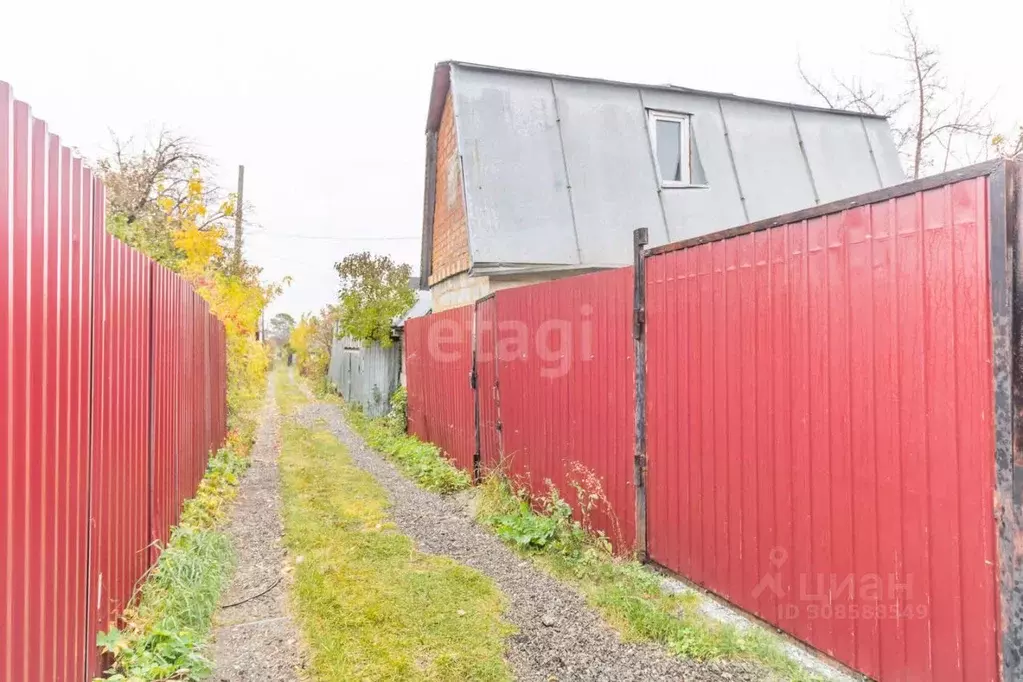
<point x="553" y="528"/>
<point x="398" y="416"/>
<point x="524" y="528"/>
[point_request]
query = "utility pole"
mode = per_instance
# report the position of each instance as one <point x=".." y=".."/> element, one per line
<point x="238" y="222"/>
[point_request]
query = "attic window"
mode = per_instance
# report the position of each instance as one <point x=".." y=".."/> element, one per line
<point x="670" y="139"/>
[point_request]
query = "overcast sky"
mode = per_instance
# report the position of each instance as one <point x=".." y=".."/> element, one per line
<point x="325" y="103"/>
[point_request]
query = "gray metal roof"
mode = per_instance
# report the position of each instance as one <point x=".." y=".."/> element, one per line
<point x="423" y="304"/>
<point x="558" y="170"/>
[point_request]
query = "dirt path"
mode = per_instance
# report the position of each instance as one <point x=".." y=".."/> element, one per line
<point x="257" y="640"/>
<point x="559" y="638"/>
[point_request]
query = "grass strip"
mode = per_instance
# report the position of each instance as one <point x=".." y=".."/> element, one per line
<point x="422" y="462"/>
<point x="163" y="634"/>
<point x="288" y="391"/>
<point x="628" y="595"/>
<point x="370" y="605"/>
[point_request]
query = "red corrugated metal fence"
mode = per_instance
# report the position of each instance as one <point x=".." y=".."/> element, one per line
<point x="554" y="374"/>
<point x="829" y="408"/>
<point x="566" y="365"/>
<point x="92" y="338"/>
<point x="45" y="276"/>
<point x="440" y="395"/>
<point x="168" y="371"/>
<point x="121" y="428"/>
<point x="820" y="430"/>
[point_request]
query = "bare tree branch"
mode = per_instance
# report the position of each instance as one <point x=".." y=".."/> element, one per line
<point x="136" y="179"/>
<point x="931" y="125"/>
<point x="814" y="85"/>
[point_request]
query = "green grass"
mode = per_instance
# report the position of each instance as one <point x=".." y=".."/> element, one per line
<point x="370" y="605"/>
<point x="422" y="462"/>
<point x="163" y="634"/>
<point x="628" y="595"/>
<point x="287" y="391"/>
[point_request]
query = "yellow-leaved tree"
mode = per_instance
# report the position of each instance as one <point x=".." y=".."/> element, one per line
<point x="236" y="298"/>
<point x="311" y="341"/>
<point x="160" y="202"/>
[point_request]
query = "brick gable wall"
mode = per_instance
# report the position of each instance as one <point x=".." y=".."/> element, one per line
<point x="450" y="232"/>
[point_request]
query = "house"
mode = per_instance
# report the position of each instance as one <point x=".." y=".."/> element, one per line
<point x="532" y="176"/>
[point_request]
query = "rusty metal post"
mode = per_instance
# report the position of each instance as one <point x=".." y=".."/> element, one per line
<point x="1007" y="334"/>
<point x="474" y="382"/>
<point x="640" y="238"/>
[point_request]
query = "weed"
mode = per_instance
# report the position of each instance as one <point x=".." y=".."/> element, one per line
<point x="372" y="606"/>
<point x="423" y="462"/>
<point x="322" y="387"/>
<point x="525" y="528"/>
<point x="628" y="595"/>
<point x="398" y="416"/>
<point x="591" y="499"/>
<point x="162" y="634"/>
<point x="215" y="492"/>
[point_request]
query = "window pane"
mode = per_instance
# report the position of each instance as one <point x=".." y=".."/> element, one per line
<point x="669" y="150"/>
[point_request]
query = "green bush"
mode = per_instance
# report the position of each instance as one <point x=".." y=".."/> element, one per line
<point x="514" y="519"/>
<point x="398" y="416"/>
<point x="524" y="528"/>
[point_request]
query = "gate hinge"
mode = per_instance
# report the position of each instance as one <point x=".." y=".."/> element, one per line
<point x="641" y="468"/>
<point x="638" y="322"/>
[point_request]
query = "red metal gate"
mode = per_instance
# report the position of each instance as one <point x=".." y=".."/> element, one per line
<point x="441" y="402"/>
<point x="820" y="428"/>
<point x="567" y="406"/>
<point x="487" y="384"/>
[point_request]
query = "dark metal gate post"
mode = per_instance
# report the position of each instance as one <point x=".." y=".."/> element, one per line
<point x="1007" y="334"/>
<point x="474" y="382"/>
<point x="640" y="238"/>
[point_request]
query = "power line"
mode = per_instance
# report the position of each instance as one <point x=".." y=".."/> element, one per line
<point x="296" y="261"/>
<point x="354" y="238"/>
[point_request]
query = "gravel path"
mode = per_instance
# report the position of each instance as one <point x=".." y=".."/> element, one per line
<point x="257" y="640"/>
<point x="559" y="638"/>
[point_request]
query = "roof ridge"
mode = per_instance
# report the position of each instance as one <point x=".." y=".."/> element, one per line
<point x="652" y="86"/>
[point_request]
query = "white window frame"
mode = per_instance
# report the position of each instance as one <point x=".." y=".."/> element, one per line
<point x="685" y="122"/>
